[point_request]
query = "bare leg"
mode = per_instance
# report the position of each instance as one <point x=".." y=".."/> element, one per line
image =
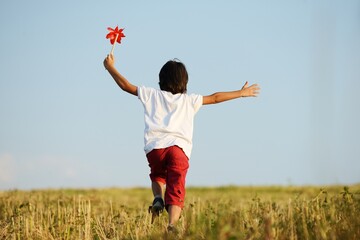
<point x="174" y="214"/>
<point x="157" y="189"/>
<point x="174" y="211"/>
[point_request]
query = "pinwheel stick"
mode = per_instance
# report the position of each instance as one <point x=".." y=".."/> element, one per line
<point x="113" y="47"/>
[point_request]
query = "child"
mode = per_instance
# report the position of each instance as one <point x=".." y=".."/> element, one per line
<point x="169" y="115"/>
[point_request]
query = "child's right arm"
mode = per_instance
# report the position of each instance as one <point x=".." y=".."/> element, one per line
<point x="219" y="97"/>
<point x="121" y="81"/>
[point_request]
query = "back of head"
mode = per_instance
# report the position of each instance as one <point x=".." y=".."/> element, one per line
<point x="173" y="77"/>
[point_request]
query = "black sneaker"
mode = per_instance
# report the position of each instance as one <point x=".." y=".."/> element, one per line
<point x="156" y="208"/>
<point x="172" y="229"/>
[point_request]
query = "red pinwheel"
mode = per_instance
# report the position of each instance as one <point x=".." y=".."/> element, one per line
<point x="115" y="35"/>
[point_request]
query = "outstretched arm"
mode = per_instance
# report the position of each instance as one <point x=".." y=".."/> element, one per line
<point x="245" y="91"/>
<point x="121" y="81"/>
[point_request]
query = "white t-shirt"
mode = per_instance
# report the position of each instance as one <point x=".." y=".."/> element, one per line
<point x="169" y="118"/>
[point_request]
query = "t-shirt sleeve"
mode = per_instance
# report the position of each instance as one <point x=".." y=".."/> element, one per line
<point x="144" y="93"/>
<point x="197" y="101"/>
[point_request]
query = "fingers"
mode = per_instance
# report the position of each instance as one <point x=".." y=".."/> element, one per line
<point x="109" y="59"/>
<point x="245" y="85"/>
<point x="255" y="90"/>
<point x="251" y="91"/>
<point x="255" y="86"/>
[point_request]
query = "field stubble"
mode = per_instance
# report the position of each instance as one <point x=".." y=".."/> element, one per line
<point x="210" y="213"/>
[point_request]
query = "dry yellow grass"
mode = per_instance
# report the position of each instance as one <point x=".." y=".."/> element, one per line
<point x="210" y="213"/>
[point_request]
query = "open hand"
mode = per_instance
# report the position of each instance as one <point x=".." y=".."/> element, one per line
<point x="250" y="91"/>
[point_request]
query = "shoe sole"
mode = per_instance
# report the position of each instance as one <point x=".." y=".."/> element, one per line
<point x="155" y="210"/>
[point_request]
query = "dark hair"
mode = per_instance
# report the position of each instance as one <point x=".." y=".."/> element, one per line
<point x="173" y="77"/>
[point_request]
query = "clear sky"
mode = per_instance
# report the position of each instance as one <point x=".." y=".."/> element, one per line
<point x="65" y="123"/>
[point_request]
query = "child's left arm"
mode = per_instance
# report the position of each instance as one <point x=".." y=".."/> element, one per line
<point x="245" y="91"/>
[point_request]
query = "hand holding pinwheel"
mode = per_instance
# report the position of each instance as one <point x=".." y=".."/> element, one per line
<point x="115" y="35"/>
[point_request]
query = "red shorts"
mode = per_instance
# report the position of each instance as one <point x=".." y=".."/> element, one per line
<point x="169" y="166"/>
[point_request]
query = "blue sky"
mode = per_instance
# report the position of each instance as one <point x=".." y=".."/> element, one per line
<point x="65" y="123"/>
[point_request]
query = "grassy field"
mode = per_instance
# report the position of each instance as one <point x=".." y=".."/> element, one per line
<point x="211" y="213"/>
